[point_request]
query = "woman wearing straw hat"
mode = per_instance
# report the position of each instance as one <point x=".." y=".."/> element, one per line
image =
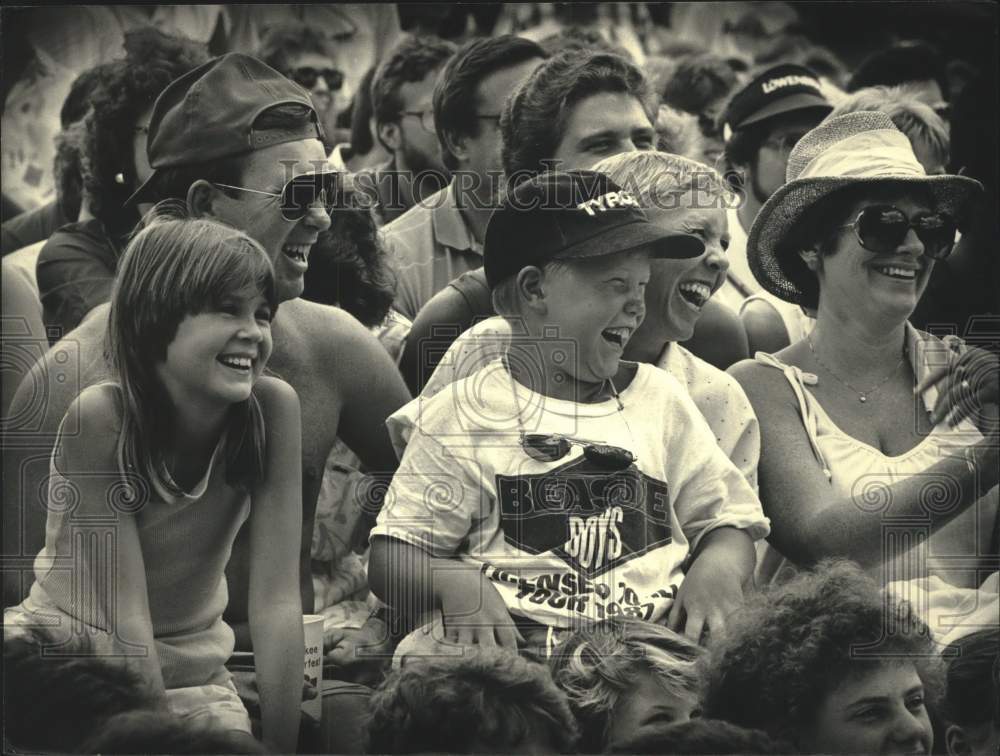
<point x="878" y="443"/>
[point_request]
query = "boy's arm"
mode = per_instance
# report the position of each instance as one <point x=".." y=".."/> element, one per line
<point x="430" y="509"/>
<point x="719" y="573"/>
<point x="275" y="604"/>
<point x="720" y="516"/>
<point x="415" y="583"/>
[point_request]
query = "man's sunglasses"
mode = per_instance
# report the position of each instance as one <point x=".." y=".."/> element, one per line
<point x="882" y="228"/>
<point x="307" y="76"/>
<point x="549" y="447"/>
<point x="301" y="193"/>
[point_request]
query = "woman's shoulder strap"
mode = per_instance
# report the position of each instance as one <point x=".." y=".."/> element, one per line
<point x="809" y="409"/>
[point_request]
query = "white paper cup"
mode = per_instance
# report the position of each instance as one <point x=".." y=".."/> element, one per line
<point x="313" y="663"/>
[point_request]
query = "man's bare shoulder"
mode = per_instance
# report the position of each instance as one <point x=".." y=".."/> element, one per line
<point x="325" y="327"/>
<point x="75" y="362"/>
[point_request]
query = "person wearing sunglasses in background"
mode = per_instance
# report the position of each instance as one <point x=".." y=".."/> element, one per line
<point x="236" y="141"/>
<point x="402" y="88"/>
<point x="560" y="484"/>
<point x="878" y="445"/>
<point x="307" y="57"/>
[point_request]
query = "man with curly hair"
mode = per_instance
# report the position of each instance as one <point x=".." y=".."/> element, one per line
<point x="830" y="663"/>
<point x="76" y="267"/>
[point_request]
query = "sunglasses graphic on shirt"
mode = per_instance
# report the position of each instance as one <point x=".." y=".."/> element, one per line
<point x="550" y="447"/>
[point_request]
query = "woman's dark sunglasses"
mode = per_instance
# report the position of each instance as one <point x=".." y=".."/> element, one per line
<point x="301" y="193"/>
<point x="882" y="228"/>
<point x="307" y="76"/>
<point x="549" y="447"/>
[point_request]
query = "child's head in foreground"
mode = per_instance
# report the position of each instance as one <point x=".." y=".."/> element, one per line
<point x="697" y="736"/>
<point x="487" y="701"/>
<point x="65" y="698"/>
<point x="829" y="663"/>
<point x="56" y="699"/>
<point x="568" y="254"/>
<point x="190" y="321"/>
<point x="971" y="707"/>
<point x="622" y="675"/>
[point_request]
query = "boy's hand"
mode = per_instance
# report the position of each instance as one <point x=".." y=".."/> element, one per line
<point x="360" y="655"/>
<point x="474" y="614"/>
<point x="709" y="593"/>
<point x="713" y="587"/>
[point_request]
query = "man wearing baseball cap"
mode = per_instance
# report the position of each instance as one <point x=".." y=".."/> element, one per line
<point x="569" y="483"/>
<point x="236" y="141"/>
<point x="761" y="123"/>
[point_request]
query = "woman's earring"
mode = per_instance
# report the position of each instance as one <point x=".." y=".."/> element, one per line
<point x="811" y="258"/>
<point x="120" y="178"/>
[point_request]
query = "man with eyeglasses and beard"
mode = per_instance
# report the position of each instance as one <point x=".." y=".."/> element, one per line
<point x="436" y="241"/>
<point x="761" y="123"/>
<point x="404" y="124"/>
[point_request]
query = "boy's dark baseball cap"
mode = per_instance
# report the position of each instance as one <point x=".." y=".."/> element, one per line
<point x="569" y="216"/>
<point x="780" y="89"/>
<point x="208" y="113"/>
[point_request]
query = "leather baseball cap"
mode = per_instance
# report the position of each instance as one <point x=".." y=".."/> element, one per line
<point x="780" y="89"/>
<point x="572" y="216"/>
<point x="209" y="112"/>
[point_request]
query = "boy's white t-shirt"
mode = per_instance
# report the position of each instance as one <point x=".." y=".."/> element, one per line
<point x="718" y="396"/>
<point x="565" y="541"/>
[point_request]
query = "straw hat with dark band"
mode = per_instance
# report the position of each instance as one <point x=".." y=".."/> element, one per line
<point x="849" y="150"/>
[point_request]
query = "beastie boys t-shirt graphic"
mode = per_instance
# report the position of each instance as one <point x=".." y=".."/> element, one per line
<point x="565" y="536"/>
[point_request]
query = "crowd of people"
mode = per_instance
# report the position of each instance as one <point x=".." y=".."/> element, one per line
<point x="602" y="392"/>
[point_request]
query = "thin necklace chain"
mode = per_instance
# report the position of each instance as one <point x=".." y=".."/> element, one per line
<point x="862" y="395"/>
<point x="517" y="402"/>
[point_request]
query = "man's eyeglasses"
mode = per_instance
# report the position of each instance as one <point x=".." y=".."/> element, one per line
<point x="882" y="228"/>
<point x="301" y="193"/>
<point x="307" y="76"/>
<point x="426" y="118"/>
<point x="550" y="447"/>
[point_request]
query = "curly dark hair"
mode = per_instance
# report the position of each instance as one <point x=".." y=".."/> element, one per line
<point x="455" y="94"/>
<point x="124" y="90"/>
<point x="492" y="697"/>
<point x="534" y="118"/>
<point x="790" y="646"/>
<point x="411" y="60"/>
<point x="348" y="268"/>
